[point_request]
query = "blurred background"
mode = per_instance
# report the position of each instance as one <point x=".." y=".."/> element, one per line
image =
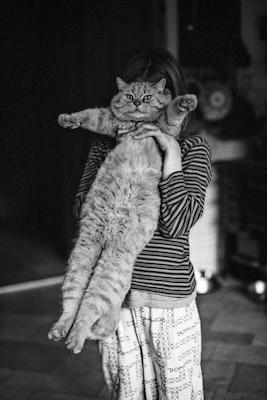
<point x="63" y="56"/>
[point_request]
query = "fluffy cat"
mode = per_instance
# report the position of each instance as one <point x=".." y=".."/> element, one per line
<point x="121" y="210"/>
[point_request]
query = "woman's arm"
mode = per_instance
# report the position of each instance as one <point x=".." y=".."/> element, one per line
<point x="183" y="184"/>
<point x="172" y="160"/>
<point x="183" y="192"/>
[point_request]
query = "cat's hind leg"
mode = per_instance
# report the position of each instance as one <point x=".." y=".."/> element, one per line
<point x="81" y="263"/>
<point x="103" y="298"/>
<point x="99" y="313"/>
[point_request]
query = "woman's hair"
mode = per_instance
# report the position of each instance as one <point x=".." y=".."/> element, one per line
<point x="153" y="65"/>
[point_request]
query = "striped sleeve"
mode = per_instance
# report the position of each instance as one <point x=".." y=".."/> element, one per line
<point x="183" y="192"/>
<point x="96" y="156"/>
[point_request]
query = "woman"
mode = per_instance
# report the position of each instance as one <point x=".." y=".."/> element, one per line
<point x="156" y="351"/>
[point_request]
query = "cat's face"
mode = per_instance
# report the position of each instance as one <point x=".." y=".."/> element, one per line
<point x="140" y="101"/>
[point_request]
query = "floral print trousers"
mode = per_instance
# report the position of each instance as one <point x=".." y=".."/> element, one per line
<point x="154" y="355"/>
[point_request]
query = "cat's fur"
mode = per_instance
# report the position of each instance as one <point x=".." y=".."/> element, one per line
<point x="120" y="212"/>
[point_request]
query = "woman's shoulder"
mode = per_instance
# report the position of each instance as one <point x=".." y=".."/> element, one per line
<point x="102" y="145"/>
<point x="196" y="142"/>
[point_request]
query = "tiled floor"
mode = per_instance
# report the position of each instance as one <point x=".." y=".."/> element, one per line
<point x="31" y="368"/>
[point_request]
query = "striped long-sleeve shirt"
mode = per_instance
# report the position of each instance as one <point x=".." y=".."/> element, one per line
<point x="163" y="275"/>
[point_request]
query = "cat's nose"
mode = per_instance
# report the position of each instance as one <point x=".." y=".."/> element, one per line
<point x="137" y="102"/>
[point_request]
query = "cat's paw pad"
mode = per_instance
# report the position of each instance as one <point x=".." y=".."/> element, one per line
<point x="76" y="339"/>
<point x="187" y="103"/>
<point x="68" y="121"/>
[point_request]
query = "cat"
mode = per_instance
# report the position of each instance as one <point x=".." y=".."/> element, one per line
<point x="120" y="212"/>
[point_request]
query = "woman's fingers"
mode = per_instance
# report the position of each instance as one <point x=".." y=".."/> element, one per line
<point x="122" y="131"/>
<point x="149" y="126"/>
<point x="149" y="130"/>
<point x="143" y="135"/>
<point x="145" y="130"/>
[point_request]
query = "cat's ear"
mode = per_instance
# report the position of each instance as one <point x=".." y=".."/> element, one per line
<point x="160" y="85"/>
<point x="121" y="84"/>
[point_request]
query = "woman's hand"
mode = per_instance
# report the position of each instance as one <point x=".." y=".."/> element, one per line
<point x="123" y="130"/>
<point x="168" y="144"/>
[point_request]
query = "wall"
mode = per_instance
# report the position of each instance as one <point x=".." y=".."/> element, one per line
<point x="253" y="80"/>
<point x="56" y="57"/>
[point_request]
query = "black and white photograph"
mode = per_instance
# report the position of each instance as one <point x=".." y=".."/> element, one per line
<point x="133" y="212"/>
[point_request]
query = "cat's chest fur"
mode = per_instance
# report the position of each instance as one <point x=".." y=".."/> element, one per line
<point x="141" y="152"/>
<point x="129" y="177"/>
<point x="139" y="158"/>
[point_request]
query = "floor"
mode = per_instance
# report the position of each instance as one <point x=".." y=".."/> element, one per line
<point x="32" y="259"/>
<point x="31" y="368"/>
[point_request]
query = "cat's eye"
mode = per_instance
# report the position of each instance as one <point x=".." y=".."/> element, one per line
<point x="129" y="96"/>
<point x="147" y="97"/>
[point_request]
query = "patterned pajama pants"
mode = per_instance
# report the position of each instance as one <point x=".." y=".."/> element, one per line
<point x="154" y="355"/>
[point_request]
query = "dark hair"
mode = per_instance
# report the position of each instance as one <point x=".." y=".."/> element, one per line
<point x="154" y="64"/>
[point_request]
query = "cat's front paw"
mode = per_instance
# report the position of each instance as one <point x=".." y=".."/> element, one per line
<point x="187" y="103"/>
<point x="76" y="338"/>
<point x="68" y="121"/>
